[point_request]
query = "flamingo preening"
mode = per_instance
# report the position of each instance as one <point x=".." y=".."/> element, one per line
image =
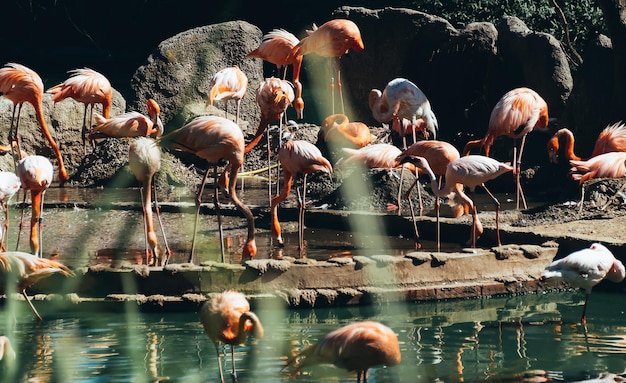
<point x="228" y="84"/>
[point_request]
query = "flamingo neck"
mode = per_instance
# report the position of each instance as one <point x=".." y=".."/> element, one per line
<point x="250" y="247"/>
<point x="276" y="230"/>
<point x="263" y="125"/>
<point x="568" y="138"/>
<point x="245" y="326"/>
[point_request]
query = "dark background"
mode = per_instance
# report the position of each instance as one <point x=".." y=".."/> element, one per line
<point x="116" y="37"/>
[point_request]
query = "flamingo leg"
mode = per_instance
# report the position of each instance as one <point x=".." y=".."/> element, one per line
<point x="195" y="224"/>
<point x="497" y="205"/>
<point x="19" y="231"/>
<point x="145" y="228"/>
<point x="40" y="226"/>
<point x="84" y="130"/>
<point x="408" y="197"/>
<point x="3" y="244"/>
<point x="157" y="210"/>
<point x="339" y="87"/>
<point x="216" y="202"/>
<point x="518" y="166"/>
<point x="399" y="199"/>
<point x="583" y="318"/>
<point x="474" y="218"/>
<point x="232" y="358"/>
<point x="13" y="135"/>
<point x="219" y="362"/>
<point x="269" y="165"/>
<point x="30" y="303"/>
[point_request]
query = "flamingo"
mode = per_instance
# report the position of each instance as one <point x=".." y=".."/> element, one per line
<point x="606" y="165"/>
<point x="439" y="155"/>
<point x="356" y="347"/>
<point x="274" y="97"/>
<point x="35" y="173"/>
<point x="88" y="87"/>
<point x="227" y="319"/>
<point x="9" y="185"/>
<point x="586" y="268"/>
<point x="406" y="127"/>
<point x="402" y="99"/>
<point x="611" y="139"/>
<point x="470" y="171"/>
<point x="215" y="139"/>
<point x="28" y="269"/>
<point x="144" y="159"/>
<point x="21" y="84"/>
<point x="228" y="84"/>
<point x="332" y="39"/>
<point x="131" y="124"/>
<point x="374" y="156"/>
<point x="517" y="113"/>
<point x="340" y="132"/>
<point x="6" y="350"/>
<point x="276" y="48"/>
<point x="296" y="157"/>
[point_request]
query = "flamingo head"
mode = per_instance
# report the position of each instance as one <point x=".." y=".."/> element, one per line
<point x="553" y="150"/>
<point x="249" y="250"/>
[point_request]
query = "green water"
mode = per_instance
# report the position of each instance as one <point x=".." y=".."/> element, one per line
<point x="497" y="339"/>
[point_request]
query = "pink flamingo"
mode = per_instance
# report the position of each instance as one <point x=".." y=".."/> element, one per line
<point x="131" y="124"/>
<point x="470" y="171"/>
<point x="228" y="84"/>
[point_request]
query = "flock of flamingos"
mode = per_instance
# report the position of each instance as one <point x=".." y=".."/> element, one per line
<point x="227" y="318"/>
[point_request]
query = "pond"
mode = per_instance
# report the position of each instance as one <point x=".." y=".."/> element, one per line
<point x="528" y="338"/>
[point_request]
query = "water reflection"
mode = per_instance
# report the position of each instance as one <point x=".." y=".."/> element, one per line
<point x="514" y="339"/>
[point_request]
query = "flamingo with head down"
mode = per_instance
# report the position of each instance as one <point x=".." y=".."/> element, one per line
<point x="131" y="124"/>
<point x="228" y="84"/>
<point x="332" y="39"/>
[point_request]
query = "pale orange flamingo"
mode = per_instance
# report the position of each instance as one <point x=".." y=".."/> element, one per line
<point x="227" y="319"/>
<point x="470" y="171"/>
<point x="144" y="160"/>
<point x="439" y="155"/>
<point x="586" y="268"/>
<point x="402" y="99"/>
<point x="332" y="39"/>
<point x="273" y="97"/>
<point x="228" y="84"/>
<point x="611" y="139"/>
<point x="296" y="157"/>
<point x="88" y="87"/>
<point x="215" y="139"/>
<point x="276" y="48"/>
<point x="516" y="114"/>
<point x="374" y="156"/>
<point x="606" y="165"/>
<point x="27" y="269"/>
<point x="35" y="173"/>
<point x="356" y="347"/>
<point x="131" y="124"/>
<point x="338" y="131"/>
<point x="9" y="185"/>
<point x="21" y="84"/>
<point x="6" y="350"/>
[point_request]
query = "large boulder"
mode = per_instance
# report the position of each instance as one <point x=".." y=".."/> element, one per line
<point x="178" y="73"/>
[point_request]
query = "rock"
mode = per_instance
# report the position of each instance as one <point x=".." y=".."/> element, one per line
<point x="179" y="70"/>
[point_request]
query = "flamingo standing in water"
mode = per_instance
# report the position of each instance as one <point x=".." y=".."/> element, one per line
<point x="585" y="269"/>
<point x="439" y="155"/>
<point x="227" y="319"/>
<point x="9" y="185"/>
<point x="215" y="139"/>
<point x="228" y="84"/>
<point x="131" y="124"/>
<point x="516" y="114"/>
<point x="355" y="347"/>
<point x="35" y="173"/>
<point x="470" y="171"/>
<point x="611" y="139"/>
<point x="144" y="159"/>
<point x="28" y="269"/>
<point x="88" y="87"/>
<point x="296" y="157"/>
<point x="332" y="39"/>
<point x="274" y="97"/>
<point x="402" y="99"/>
<point x="21" y="84"/>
